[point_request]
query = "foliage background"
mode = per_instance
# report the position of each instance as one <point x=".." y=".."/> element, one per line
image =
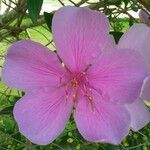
<point x="22" y="20"/>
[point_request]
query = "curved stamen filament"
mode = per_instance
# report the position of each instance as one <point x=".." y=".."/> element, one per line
<point x="75" y="98"/>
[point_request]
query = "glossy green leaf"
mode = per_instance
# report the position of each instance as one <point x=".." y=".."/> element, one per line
<point x="34" y="8"/>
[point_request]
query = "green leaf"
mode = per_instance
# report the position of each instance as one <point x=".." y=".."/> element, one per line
<point x="12" y="99"/>
<point x="114" y="2"/>
<point x="116" y="35"/>
<point x="7" y="125"/>
<point x="7" y="110"/>
<point x="126" y="2"/>
<point x="147" y="2"/>
<point x="48" y="18"/>
<point x="134" y="8"/>
<point x="34" y="8"/>
<point x="130" y="22"/>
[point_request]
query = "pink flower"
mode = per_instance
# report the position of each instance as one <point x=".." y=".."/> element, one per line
<point x="137" y="38"/>
<point x="97" y="78"/>
<point x="144" y="17"/>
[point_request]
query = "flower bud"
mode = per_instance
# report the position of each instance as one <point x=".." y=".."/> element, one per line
<point x="144" y="17"/>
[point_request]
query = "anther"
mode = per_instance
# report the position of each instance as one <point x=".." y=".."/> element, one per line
<point x="62" y="64"/>
<point x="90" y="98"/>
<point x="75" y="97"/>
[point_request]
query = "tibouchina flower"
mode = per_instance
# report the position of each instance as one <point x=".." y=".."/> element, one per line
<point x="144" y="17"/>
<point x="139" y="113"/>
<point x="93" y="76"/>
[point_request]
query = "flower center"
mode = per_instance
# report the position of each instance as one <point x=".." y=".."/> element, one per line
<point x="79" y="85"/>
<point x="74" y="83"/>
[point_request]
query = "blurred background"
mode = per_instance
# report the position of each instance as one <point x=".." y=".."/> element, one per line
<point x="31" y="19"/>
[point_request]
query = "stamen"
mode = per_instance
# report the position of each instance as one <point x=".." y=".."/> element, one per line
<point x="75" y="97"/>
<point x="66" y="99"/>
<point x="90" y="98"/>
<point x="83" y="73"/>
<point x="74" y="82"/>
<point x="89" y="95"/>
<point x="63" y="65"/>
<point x="87" y="67"/>
<point x="91" y="101"/>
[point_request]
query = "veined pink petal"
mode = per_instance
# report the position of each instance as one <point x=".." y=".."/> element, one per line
<point x="145" y="92"/>
<point x="101" y="121"/>
<point x="118" y="75"/>
<point x="129" y="40"/>
<point x="141" y="44"/>
<point x="30" y="65"/>
<point x="42" y="116"/>
<point x="140" y="115"/>
<point x="80" y="34"/>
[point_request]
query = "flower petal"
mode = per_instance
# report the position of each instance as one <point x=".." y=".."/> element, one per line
<point x="30" y="65"/>
<point x="42" y="116"/>
<point x="118" y="75"/>
<point x="140" y="115"/>
<point x="144" y="17"/>
<point x="141" y="43"/>
<point x="101" y="121"/>
<point x="80" y="34"/>
<point x="145" y="92"/>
